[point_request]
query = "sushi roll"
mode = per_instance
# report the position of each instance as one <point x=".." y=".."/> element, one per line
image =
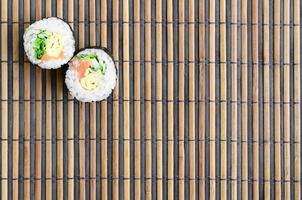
<point x="91" y="75"/>
<point x="49" y="43"/>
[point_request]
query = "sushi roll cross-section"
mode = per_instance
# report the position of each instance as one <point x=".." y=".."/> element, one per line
<point x="91" y="75"/>
<point x="49" y="43"/>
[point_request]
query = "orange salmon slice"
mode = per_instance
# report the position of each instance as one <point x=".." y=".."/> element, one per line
<point x="80" y="67"/>
<point x="46" y="57"/>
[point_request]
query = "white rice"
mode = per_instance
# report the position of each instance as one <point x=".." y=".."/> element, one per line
<point x="105" y="87"/>
<point x="51" y="24"/>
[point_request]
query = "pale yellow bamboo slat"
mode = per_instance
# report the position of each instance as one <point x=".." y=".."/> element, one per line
<point x="104" y="108"/>
<point x="286" y="98"/>
<point x="277" y="109"/>
<point x="266" y="98"/>
<point x="201" y="127"/>
<point x="82" y="184"/>
<point x="26" y="144"/>
<point x="48" y="126"/>
<point x="126" y="105"/>
<point x="223" y="105"/>
<point x="170" y="99"/>
<point x="181" y="108"/>
<point x="159" y="105"/>
<point x="148" y="114"/>
<point x="70" y="124"/>
<point x="234" y="99"/>
<point x="59" y="141"/>
<point x="255" y="109"/>
<point x="38" y="116"/>
<point x="92" y="110"/>
<point x="93" y="153"/>
<point x="297" y="105"/>
<point x="212" y="99"/>
<point x="48" y="137"/>
<point x="137" y="120"/>
<point x="92" y="24"/>
<point x="15" y="152"/>
<point x="4" y="104"/>
<point x="115" y="134"/>
<point x="59" y="106"/>
<point x="192" y="178"/>
<point x="244" y="106"/>
<point x="82" y="188"/>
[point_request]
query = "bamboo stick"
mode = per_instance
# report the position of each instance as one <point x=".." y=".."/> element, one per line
<point x="297" y="105"/>
<point x="126" y="104"/>
<point x="82" y="151"/>
<point x="48" y="8"/>
<point x="234" y="100"/>
<point x="92" y="158"/>
<point x="59" y="135"/>
<point x="159" y="109"/>
<point x="137" y="121"/>
<point x="92" y="24"/>
<point x="181" y="96"/>
<point x="26" y="144"/>
<point x="212" y="99"/>
<point x="277" y="111"/>
<point x="48" y="138"/>
<point x="201" y="104"/>
<point x="15" y="153"/>
<point x="244" y="105"/>
<point x="255" y="99"/>
<point x="115" y="134"/>
<point x="59" y="105"/>
<point x="170" y="58"/>
<point x="148" y="129"/>
<point x="223" y="98"/>
<point x="266" y="98"/>
<point x="38" y="116"/>
<point x="82" y="165"/>
<point x="104" y="108"/>
<point x="4" y="104"/>
<point x="192" y="181"/>
<point x="48" y="126"/>
<point x="70" y="124"/>
<point x="92" y="151"/>
<point x="286" y="98"/>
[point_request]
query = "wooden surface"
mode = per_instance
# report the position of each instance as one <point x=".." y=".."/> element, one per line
<point x="207" y="103"/>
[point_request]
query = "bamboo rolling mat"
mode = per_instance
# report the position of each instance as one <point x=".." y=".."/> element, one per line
<point x="207" y="103"/>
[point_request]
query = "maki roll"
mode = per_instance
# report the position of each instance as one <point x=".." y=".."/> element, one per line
<point x="91" y="75"/>
<point x="49" y="43"/>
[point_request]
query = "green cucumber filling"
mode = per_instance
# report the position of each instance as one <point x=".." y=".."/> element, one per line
<point x="40" y="44"/>
<point x="49" y="43"/>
